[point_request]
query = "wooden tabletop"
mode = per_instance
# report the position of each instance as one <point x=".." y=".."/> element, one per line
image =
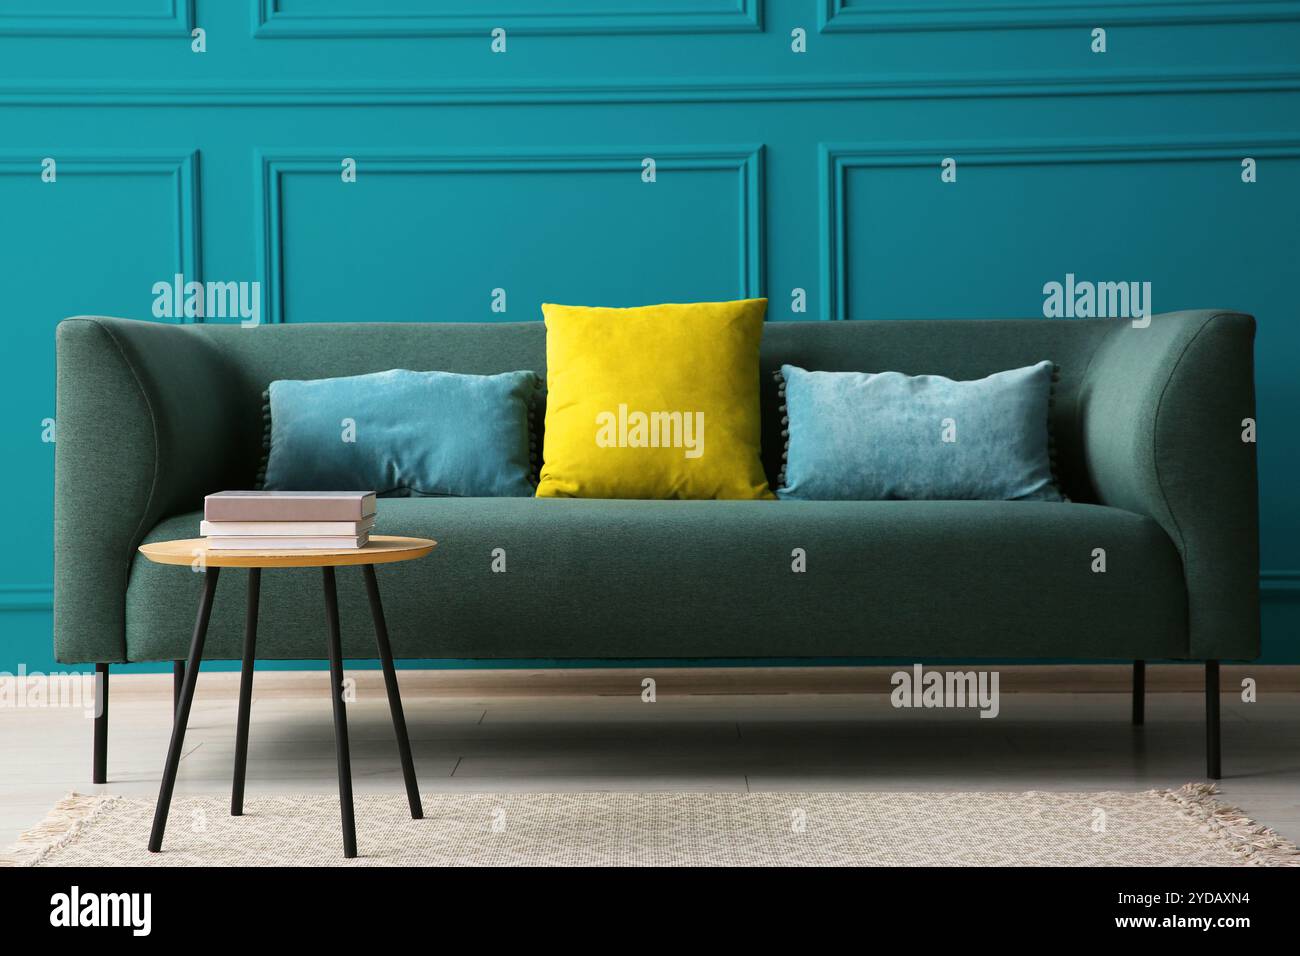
<point x="382" y="549"/>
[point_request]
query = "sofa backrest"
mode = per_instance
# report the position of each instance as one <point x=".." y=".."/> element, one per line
<point x="957" y="349"/>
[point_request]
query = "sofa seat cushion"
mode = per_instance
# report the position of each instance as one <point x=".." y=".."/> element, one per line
<point x="712" y="579"/>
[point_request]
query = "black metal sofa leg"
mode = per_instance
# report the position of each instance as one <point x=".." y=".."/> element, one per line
<point x="1212" y="767"/>
<point x="1139" y="693"/>
<point x="99" y="765"/>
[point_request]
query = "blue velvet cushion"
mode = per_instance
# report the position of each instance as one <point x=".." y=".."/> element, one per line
<point x="414" y="433"/>
<point x="859" y="436"/>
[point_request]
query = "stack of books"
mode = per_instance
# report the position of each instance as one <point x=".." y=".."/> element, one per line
<point x="288" y="520"/>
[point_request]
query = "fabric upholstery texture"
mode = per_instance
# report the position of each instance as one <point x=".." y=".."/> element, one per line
<point x="863" y="436"/>
<point x="653" y="402"/>
<point x="411" y="433"/>
<point x="1147" y="425"/>
<point x="601" y="578"/>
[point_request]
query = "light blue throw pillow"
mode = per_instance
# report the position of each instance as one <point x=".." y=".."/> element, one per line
<point x="403" y="433"/>
<point x="857" y="436"/>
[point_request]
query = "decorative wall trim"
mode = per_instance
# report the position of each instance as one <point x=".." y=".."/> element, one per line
<point x="176" y="19"/>
<point x="838" y="16"/>
<point x="761" y="89"/>
<point x="747" y="161"/>
<point x="1279" y="582"/>
<point x="182" y="168"/>
<point x="836" y="159"/>
<point x="622" y="17"/>
<point x="17" y="598"/>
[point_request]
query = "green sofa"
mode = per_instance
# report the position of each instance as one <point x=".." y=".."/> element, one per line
<point x="1147" y="425"/>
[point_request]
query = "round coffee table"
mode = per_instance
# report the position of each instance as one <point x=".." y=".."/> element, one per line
<point x="381" y="549"/>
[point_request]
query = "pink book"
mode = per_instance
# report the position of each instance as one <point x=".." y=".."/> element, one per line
<point x="289" y="505"/>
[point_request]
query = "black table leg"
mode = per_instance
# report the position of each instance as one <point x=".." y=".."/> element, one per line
<point x="178" y="681"/>
<point x="183" y="710"/>
<point x="340" y="714"/>
<point x="245" y="691"/>
<point x="394" y="697"/>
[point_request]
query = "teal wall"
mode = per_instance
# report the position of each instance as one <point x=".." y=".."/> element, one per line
<point x="522" y="170"/>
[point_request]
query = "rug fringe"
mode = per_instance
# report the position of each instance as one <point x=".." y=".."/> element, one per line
<point x="60" y="826"/>
<point x="1260" y="845"/>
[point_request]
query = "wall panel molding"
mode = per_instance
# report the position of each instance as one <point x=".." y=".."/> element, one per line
<point x="691" y="91"/>
<point x="175" y="18"/>
<point x="836" y="159"/>
<point x="368" y="19"/>
<point x="1275" y="582"/>
<point x="181" y="168"/>
<point x="182" y="171"/>
<point x="18" y="598"/>
<point x="872" y="16"/>
<point x="272" y="165"/>
<point x="757" y="89"/>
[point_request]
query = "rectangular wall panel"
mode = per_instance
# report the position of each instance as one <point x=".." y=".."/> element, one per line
<point x="356" y="19"/>
<point x="100" y="18"/>
<point x="93" y="241"/>
<point x="862" y="16"/>
<point x="427" y="238"/>
<point x="1017" y="217"/>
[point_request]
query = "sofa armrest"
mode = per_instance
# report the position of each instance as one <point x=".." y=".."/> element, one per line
<point x="1163" y="409"/>
<point x="140" y="436"/>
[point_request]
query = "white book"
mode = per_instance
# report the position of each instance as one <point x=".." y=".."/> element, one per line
<point x="282" y="543"/>
<point x="285" y="528"/>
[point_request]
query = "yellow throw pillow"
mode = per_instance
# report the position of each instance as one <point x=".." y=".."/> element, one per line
<point x="654" y="402"/>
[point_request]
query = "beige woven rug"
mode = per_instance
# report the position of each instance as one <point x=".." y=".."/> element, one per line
<point x="1187" y="827"/>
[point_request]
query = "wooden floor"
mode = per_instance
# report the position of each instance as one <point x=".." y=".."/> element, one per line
<point x="487" y="734"/>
